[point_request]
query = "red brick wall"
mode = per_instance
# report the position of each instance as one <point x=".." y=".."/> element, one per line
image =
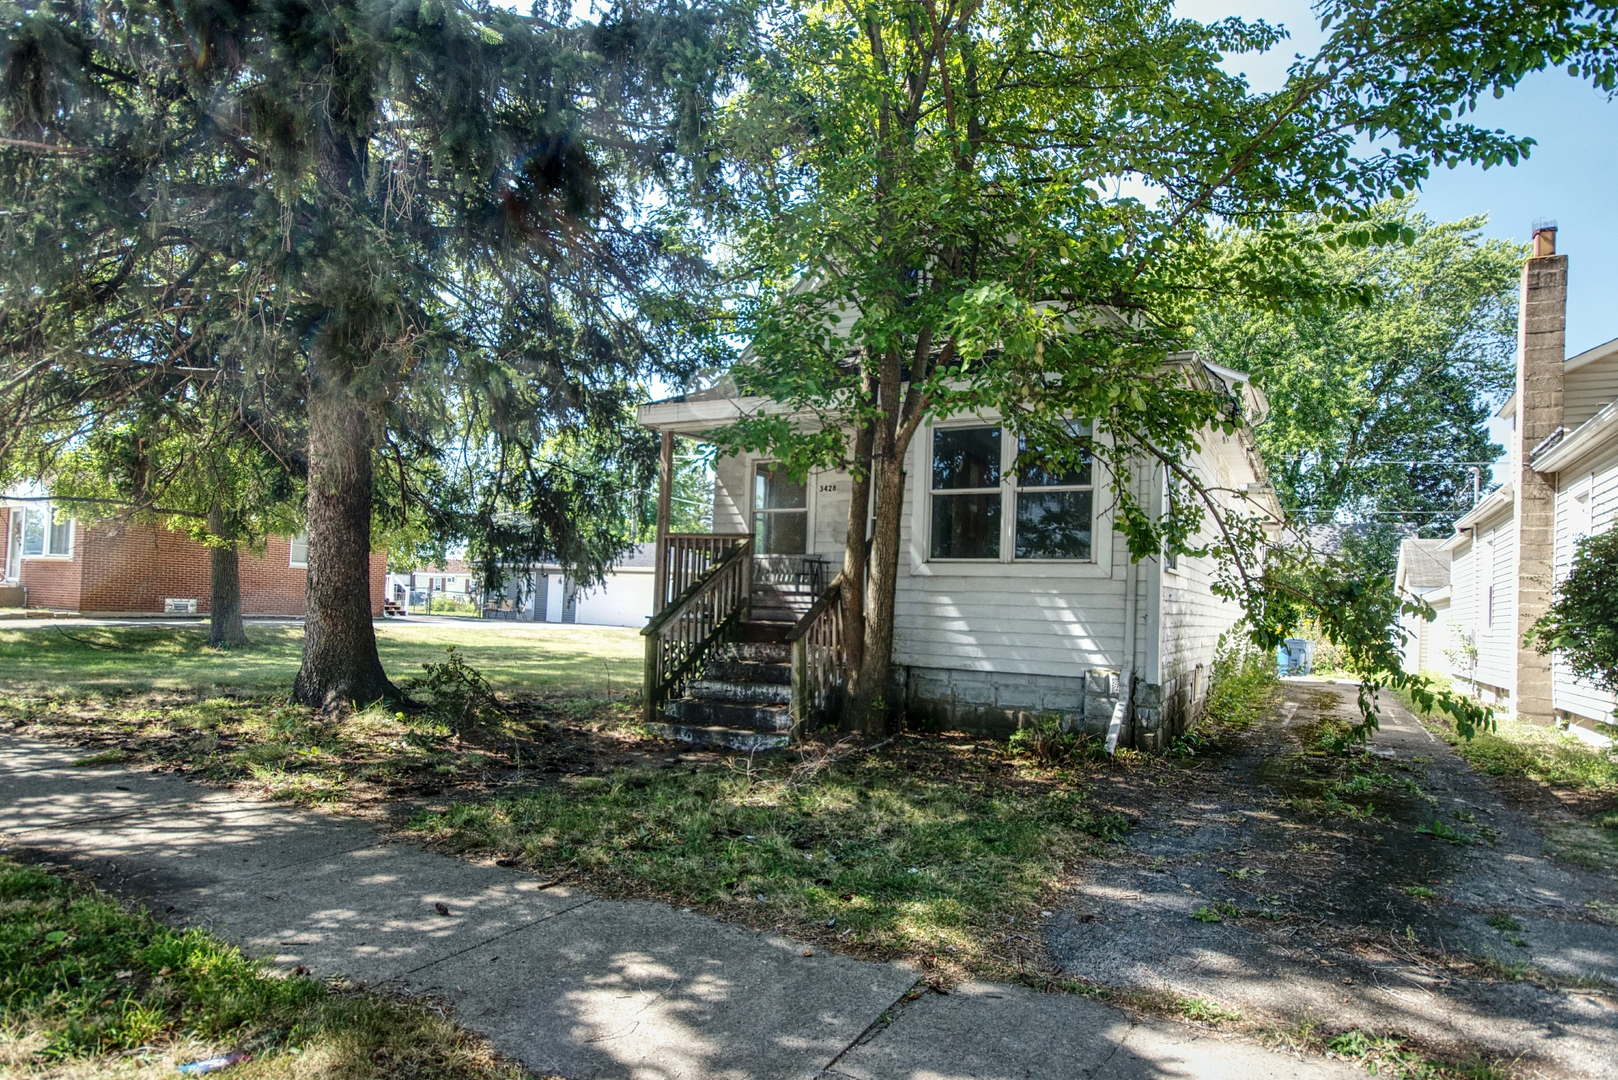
<point x="271" y="585"/>
<point x="135" y="567"/>
<point x="54" y="582"/>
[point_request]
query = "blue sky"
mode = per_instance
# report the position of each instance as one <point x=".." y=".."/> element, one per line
<point x="1570" y="177"/>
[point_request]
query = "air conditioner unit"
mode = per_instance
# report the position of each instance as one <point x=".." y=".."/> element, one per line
<point x="179" y="607"/>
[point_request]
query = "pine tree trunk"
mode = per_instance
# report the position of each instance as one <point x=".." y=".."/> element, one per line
<point x="340" y="662"/>
<point x="867" y="709"/>
<point x="225" y="630"/>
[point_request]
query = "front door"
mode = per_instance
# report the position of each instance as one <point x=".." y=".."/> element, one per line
<point x="780" y="511"/>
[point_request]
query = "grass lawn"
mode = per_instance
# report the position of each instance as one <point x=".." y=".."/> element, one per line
<point x="91" y="987"/>
<point x="158" y="695"/>
<point x="538" y="659"/>
<point x="942" y="850"/>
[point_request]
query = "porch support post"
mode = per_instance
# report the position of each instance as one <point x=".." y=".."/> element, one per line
<point x="665" y="492"/>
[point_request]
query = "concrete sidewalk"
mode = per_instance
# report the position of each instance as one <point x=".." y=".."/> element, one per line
<point x="562" y="981"/>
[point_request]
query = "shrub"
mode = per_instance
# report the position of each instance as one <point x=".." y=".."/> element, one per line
<point x="1582" y="623"/>
<point x="461" y="696"/>
<point x="1044" y="740"/>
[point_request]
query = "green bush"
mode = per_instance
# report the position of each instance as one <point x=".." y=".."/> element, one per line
<point x="461" y="696"/>
<point x="442" y="604"/>
<point x="1243" y="683"/>
<point x="1582" y="623"/>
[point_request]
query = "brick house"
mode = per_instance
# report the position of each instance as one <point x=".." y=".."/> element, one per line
<point x="127" y="568"/>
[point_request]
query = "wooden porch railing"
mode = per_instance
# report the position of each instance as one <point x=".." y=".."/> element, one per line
<point x="819" y="661"/>
<point x="680" y="637"/>
<point x="685" y="557"/>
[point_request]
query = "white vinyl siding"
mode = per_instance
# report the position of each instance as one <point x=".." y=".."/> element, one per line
<point x="1057" y="618"/>
<point x="731" y="495"/>
<point x="1587" y="391"/>
<point x="1488" y="560"/>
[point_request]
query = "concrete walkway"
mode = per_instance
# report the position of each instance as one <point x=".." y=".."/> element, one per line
<point x="564" y="982"/>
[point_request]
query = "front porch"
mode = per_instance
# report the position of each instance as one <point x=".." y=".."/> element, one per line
<point x="744" y="646"/>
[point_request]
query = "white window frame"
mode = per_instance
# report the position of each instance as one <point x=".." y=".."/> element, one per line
<point x="292" y="551"/>
<point x="809" y="485"/>
<point x="47" y="511"/>
<point x="1099" y="565"/>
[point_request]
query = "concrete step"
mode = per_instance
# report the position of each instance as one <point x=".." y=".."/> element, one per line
<point x="720" y="713"/>
<point x="710" y="735"/>
<point x="754" y="652"/>
<point x="744" y="671"/>
<point x="739" y="693"/>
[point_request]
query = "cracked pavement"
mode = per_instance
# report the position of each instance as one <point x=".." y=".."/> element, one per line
<point x="1357" y="921"/>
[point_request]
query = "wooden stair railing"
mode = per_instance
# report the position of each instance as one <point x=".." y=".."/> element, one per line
<point x="680" y="637"/>
<point x="688" y="556"/>
<point x="819" y="661"/>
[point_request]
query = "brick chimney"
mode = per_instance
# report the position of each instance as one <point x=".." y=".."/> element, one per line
<point x="1541" y="352"/>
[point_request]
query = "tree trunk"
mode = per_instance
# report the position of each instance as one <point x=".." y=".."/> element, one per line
<point x="856" y="555"/>
<point x="867" y="710"/>
<point x="340" y="662"/>
<point x="225" y="630"/>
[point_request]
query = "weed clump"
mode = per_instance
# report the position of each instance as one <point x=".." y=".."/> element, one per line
<point x="461" y="697"/>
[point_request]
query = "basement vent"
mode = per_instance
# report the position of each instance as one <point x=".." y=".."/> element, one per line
<point x="179" y="607"/>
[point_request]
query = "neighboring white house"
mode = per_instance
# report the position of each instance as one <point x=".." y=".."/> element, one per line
<point x="1508" y="552"/>
<point x="541" y="593"/>
<point x="1423" y="574"/>
<point x="1015" y="595"/>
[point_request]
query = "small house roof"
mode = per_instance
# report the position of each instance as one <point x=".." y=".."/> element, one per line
<point x="1423" y="564"/>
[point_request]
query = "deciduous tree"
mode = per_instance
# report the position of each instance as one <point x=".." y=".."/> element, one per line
<point x="1380" y="394"/>
<point x="973" y="205"/>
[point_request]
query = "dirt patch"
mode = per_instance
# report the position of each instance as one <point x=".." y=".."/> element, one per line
<point x="1303" y="887"/>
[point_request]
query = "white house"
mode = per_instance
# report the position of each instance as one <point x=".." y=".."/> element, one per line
<point x="1016" y="597"/>
<point x="1507" y="553"/>
<point x="544" y="592"/>
<point x="1423" y="574"/>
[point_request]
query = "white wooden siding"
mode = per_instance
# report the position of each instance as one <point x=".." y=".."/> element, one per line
<point x="1587" y="390"/>
<point x="1598" y="485"/>
<point x="1191" y="616"/>
<point x="1489" y="557"/>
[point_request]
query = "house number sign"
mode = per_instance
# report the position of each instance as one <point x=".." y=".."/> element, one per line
<point x="828" y="487"/>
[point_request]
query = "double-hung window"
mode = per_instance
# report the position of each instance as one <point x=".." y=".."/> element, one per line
<point x="996" y="498"/>
<point x="298" y="553"/>
<point x="40" y="534"/>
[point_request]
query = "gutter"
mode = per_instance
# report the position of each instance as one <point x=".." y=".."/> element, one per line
<point x="1587" y="437"/>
